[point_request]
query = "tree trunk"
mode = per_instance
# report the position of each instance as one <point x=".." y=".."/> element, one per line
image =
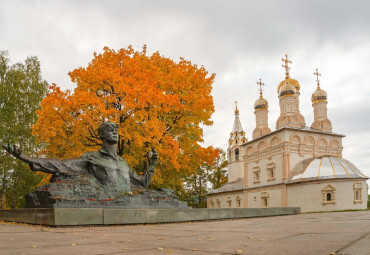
<point x="200" y="190"/>
<point x="2" y="200"/>
<point x="14" y="197"/>
<point x="3" y="196"/>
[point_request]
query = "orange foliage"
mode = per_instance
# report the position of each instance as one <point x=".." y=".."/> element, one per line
<point x="156" y="102"/>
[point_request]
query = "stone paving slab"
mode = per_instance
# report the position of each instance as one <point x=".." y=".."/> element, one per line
<point x="319" y="233"/>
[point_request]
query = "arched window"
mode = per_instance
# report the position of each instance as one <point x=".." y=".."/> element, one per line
<point x="357" y="187"/>
<point x="328" y="197"/>
<point x="229" y="202"/>
<point x="264" y="198"/>
<point x="236" y="154"/>
<point x="256" y="174"/>
<point x="328" y="194"/>
<point x="270" y="171"/>
<point x="238" y="202"/>
<point x="218" y="201"/>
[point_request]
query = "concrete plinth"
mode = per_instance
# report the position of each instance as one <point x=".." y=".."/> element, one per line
<point x="106" y="216"/>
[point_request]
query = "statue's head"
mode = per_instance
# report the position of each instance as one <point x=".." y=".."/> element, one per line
<point x="108" y="131"/>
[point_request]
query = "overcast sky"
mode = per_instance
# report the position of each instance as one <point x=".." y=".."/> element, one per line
<point x="240" y="41"/>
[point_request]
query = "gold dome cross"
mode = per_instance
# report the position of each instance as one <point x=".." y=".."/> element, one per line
<point x="286" y="65"/>
<point x="317" y="74"/>
<point x="260" y="84"/>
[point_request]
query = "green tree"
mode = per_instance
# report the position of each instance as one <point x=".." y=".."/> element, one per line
<point x="21" y="91"/>
<point x="157" y="102"/>
<point x="197" y="187"/>
<point x="206" y="177"/>
<point x="218" y="173"/>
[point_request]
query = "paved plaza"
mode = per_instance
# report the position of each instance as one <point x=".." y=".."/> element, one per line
<point x="315" y="233"/>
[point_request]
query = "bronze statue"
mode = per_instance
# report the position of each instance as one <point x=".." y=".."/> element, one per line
<point x="96" y="179"/>
<point x="105" y="164"/>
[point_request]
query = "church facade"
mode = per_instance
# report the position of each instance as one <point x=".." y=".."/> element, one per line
<point x="293" y="166"/>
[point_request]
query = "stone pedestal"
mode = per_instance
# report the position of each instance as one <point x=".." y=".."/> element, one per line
<point x="83" y="191"/>
<point x="108" y="216"/>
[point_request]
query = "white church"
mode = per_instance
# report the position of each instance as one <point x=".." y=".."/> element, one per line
<point x="293" y="166"/>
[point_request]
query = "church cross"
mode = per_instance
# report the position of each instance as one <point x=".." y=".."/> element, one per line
<point x="317" y="74"/>
<point x="236" y="104"/>
<point x="259" y="83"/>
<point x="286" y="65"/>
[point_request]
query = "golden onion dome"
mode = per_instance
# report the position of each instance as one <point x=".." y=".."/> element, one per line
<point x="291" y="81"/>
<point x="236" y="111"/>
<point x="319" y="95"/>
<point x="287" y="89"/>
<point x="261" y="104"/>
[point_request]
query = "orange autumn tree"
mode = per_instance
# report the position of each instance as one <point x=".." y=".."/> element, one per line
<point x="156" y="102"/>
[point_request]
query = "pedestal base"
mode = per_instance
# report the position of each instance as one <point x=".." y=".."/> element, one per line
<point x="107" y="216"/>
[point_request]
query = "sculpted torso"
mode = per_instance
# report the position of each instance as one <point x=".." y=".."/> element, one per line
<point x="105" y="165"/>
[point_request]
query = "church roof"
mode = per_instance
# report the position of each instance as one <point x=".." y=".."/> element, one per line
<point x="304" y="129"/>
<point x="237" y="124"/>
<point x="238" y="184"/>
<point x="325" y="167"/>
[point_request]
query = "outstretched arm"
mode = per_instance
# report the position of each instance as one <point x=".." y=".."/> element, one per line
<point x="144" y="180"/>
<point x="16" y="152"/>
<point x="49" y="165"/>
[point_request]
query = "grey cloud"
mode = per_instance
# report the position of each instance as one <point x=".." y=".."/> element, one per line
<point x="240" y="41"/>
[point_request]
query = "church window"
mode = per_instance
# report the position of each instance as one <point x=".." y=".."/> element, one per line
<point x="328" y="197"/>
<point x="238" y="202"/>
<point x="256" y="174"/>
<point x="328" y="194"/>
<point x="229" y="202"/>
<point x="271" y="171"/>
<point x="236" y="154"/>
<point x="357" y="187"/>
<point x="264" y="198"/>
<point x="212" y="203"/>
<point x="218" y="203"/>
<point x="264" y="202"/>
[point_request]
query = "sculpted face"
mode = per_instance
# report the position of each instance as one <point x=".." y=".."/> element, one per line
<point x="108" y="132"/>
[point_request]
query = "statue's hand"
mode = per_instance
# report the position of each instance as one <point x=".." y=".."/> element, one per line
<point x="152" y="157"/>
<point x="16" y="152"/>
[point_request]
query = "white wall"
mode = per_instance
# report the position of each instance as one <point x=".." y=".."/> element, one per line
<point x="274" y="199"/>
<point x="224" y="197"/>
<point x="309" y="195"/>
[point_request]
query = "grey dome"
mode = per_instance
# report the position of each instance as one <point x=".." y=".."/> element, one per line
<point x="325" y="167"/>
